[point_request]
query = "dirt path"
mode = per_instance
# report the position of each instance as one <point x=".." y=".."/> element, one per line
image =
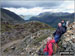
<point x="13" y="42"/>
<point x="10" y="43"/>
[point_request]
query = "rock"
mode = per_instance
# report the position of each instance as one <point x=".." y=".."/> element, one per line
<point x="70" y="38"/>
<point x="73" y="40"/>
<point x="22" y="53"/>
<point x="13" y="48"/>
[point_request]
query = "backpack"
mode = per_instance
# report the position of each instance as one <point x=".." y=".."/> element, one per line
<point x="54" y="48"/>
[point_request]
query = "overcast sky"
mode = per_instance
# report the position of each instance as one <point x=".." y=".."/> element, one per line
<point x="37" y="7"/>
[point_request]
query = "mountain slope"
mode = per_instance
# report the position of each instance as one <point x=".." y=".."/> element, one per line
<point x="8" y="16"/>
<point x="12" y="32"/>
<point x="21" y="34"/>
<point x="53" y="18"/>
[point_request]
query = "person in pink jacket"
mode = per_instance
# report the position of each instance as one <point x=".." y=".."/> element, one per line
<point x="48" y="50"/>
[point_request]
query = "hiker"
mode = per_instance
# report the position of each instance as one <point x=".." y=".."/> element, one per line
<point x="58" y="33"/>
<point x="64" y="26"/>
<point x="63" y="23"/>
<point x="48" y="50"/>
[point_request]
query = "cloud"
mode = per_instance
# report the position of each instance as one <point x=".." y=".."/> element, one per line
<point x="35" y="8"/>
<point x="25" y="11"/>
<point x="67" y="6"/>
<point x="31" y="4"/>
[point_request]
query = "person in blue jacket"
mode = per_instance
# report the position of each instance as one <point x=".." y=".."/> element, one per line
<point x="64" y="26"/>
<point x="58" y="33"/>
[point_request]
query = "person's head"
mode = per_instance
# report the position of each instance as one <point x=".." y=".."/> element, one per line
<point x="59" y="24"/>
<point x="62" y="21"/>
<point x="49" y="38"/>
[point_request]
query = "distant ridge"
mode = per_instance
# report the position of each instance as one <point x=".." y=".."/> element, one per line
<point x="53" y="18"/>
<point x="8" y="16"/>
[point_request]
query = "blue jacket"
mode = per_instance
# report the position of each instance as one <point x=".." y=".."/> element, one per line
<point x="64" y="27"/>
<point x="58" y="33"/>
<point x="63" y="24"/>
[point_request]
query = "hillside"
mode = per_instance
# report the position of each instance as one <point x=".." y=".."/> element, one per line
<point x="8" y="16"/>
<point x="31" y="44"/>
<point x="53" y="18"/>
<point x="12" y="32"/>
<point x="15" y="30"/>
<point x="22" y="35"/>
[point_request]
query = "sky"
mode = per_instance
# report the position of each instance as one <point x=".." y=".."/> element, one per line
<point x="37" y="7"/>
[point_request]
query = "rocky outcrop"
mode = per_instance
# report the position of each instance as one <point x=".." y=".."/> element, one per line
<point x="15" y="38"/>
<point x="27" y="46"/>
<point x="12" y="32"/>
<point x="70" y="34"/>
<point x="68" y="39"/>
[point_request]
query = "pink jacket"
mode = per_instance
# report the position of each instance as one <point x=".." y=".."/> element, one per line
<point x="49" y="47"/>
